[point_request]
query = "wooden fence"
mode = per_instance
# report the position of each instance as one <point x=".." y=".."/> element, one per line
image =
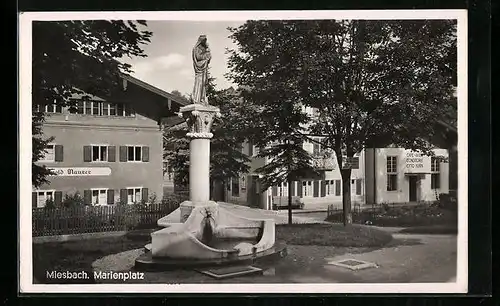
<point x="92" y="219"/>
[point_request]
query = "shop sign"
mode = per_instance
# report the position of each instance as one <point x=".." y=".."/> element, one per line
<point x="82" y="171"/>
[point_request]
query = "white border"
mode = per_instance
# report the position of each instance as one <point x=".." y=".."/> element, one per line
<point x="25" y="267"/>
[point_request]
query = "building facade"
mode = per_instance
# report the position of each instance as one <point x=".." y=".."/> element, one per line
<point x="107" y="150"/>
<point x="382" y="175"/>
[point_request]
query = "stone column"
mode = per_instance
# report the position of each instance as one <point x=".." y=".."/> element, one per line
<point x="199" y="119"/>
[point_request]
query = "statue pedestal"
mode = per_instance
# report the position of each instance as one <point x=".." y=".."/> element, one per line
<point x="199" y="119"/>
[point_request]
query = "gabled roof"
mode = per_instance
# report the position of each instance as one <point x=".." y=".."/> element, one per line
<point x="153" y="89"/>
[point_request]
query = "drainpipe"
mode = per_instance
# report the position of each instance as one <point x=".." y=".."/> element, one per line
<point x="374" y="176"/>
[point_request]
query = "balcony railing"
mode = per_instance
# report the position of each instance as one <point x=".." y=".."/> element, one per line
<point x="324" y="162"/>
<point x="328" y="162"/>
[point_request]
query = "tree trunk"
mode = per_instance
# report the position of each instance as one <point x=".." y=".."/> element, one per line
<point x="346" y="196"/>
<point x="289" y="202"/>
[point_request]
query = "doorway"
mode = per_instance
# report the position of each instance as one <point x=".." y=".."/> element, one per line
<point x="413" y="180"/>
<point x="253" y="192"/>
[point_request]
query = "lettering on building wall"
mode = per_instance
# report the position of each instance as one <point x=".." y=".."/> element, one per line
<point x="82" y="171"/>
<point x="415" y="162"/>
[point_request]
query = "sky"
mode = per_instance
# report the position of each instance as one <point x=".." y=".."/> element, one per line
<point x="168" y="64"/>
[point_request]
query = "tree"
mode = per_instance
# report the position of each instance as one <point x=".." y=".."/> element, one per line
<point x="77" y="58"/>
<point x="263" y="66"/>
<point x="374" y="83"/>
<point x="226" y="158"/>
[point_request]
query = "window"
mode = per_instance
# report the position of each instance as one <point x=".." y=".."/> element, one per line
<point x="434" y="164"/>
<point x="435" y="175"/>
<point x="134" y="153"/>
<point x="50" y="108"/>
<point x="134" y="195"/>
<point x="112" y="109"/>
<point x="294" y="189"/>
<point x="100" y="153"/>
<point x="99" y="197"/>
<point x="283" y="190"/>
<point x="392" y="175"/>
<point x="50" y="153"/>
<point x="307" y="188"/>
<point x="104" y="109"/>
<point x="358" y="186"/>
<point x="80" y="107"/>
<point x="255" y="150"/>
<point x="43" y="196"/>
<point x="329" y="187"/>
<point x="337" y="187"/>
<point x="235" y="188"/>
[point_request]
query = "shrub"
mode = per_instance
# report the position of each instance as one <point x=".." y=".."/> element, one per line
<point x="72" y="200"/>
<point x="49" y="204"/>
<point x="174" y="199"/>
<point x="448" y="201"/>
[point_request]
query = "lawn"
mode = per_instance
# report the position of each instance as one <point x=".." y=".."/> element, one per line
<point x="79" y="255"/>
<point x="332" y="235"/>
<point x="401" y="216"/>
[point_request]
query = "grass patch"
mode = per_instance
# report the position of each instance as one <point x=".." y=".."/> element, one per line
<point x="332" y="235"/>
<point x="401" y="216"/>
<point x="429" y="230"/>
<point x="79" y="255"/>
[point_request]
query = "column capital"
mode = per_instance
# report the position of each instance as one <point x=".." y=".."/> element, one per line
<point x="199" y="119"/>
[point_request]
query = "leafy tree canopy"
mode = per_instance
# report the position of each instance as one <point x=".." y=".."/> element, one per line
<point x="373" y="82"/>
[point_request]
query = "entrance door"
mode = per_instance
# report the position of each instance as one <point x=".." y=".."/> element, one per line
<point x="413" y="188"/>
<point x="253" y="191"/>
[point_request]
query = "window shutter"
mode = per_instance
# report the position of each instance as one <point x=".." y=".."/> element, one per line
<point x="111" y="196"/>
<point x="323" y="188"/>
<point x="299" y="188"/>
<point x="87" y="197"/>
<point x="358" y="187"/>
<point x="292" y="188"/>
<point x="57" y="198"/>
<point x="59" y="153"/>
<point x="123" y="196"/>
<point x="355" y="163"/>
<point x="337" y="187"/>
<point x="275" y="191"/>
<point x="145" y="194"/>
<point x="34" y="199"/>
<point x="250" y="148"/>
<point x="123" y="153"/>
<point x="111" y="154"/>
<point x="145" y="154"/>
<point x="316" y="189"/>
<point x="87" y="153"/>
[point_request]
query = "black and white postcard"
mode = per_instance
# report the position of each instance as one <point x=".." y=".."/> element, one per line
<point x="243" y="151"/>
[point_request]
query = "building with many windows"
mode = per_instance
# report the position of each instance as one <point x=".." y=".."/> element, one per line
<point x="381" y="175"/>
<point x="108" y="150"/>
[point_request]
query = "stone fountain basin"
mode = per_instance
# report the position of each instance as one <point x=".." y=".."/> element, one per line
<point x="238" y="235"/>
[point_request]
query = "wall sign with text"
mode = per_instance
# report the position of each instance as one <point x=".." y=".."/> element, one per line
<point x="82" y="171"/>
<point x="416" y="162"/>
